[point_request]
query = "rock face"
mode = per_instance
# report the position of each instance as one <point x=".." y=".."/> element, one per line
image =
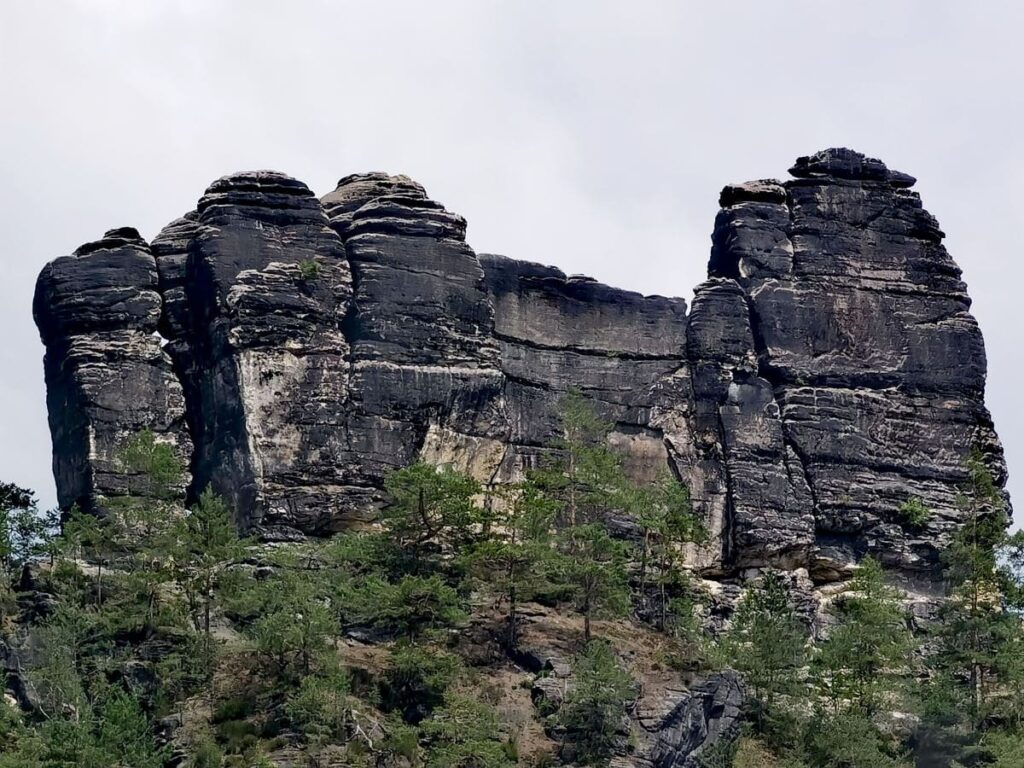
<point x="864" y="340"/>
<point x="827" y="372"/>
<point x="707" y="716"/>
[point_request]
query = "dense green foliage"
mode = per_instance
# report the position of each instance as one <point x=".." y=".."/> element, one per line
<point x="374" y="648"/>
<point x="860" y="665"/>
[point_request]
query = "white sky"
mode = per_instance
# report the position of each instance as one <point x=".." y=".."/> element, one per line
<point x="591" y="135"/>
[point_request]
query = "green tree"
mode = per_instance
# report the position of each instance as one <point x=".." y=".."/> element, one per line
<point x="585" y="476"/>
<point x="593" y="566"/>
<point x="766" y="644"/>
<point x="464" y="733"/>
<point x="134" y="532"/>
<point x="510" y="559"/>
<point x="204" y="543"/>
<point x="19" y="528"/>
<point x="667" y="522"/>
<point x="977" y="665"/>
<point x="595" y="708"/>
<point x="863" y="659"/>
<point x="295" y="622"/>
<point x="591" y="471"/>
<point x="416" y="680"/>
<point x="153" y="465"/>
<point x="411" y="607"/>
<point x="323" y="707"/>
<point x="124" y="732"/>
<point x="848" y="739"/>
<point x="22" y="528"/>
<point x="90" y="538"/>
<point x="913" y="513"/>
<point x="430" y="506"/>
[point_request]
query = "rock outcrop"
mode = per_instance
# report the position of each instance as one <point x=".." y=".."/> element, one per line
<point x="828" y="371"/>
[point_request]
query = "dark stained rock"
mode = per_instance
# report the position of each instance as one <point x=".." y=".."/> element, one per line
<point x="267" y="287"/>
<point x="356" y="190"/>
<point x="425" y="378"/>
<point x="862" y="332"/>
<point x="559" y="333"/>
<point x="828" y="371"/>
<point x="170" y="249"/>
<point x="845" y="163"/>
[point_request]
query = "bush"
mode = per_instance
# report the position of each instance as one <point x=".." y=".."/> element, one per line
<point x="308" y="270"/>
<point x="322" y="707"/>
<point x="206" y="754"/>
<point x="411" y="607"/>
<point x="913" y="513"/>
<point x="464" y="734"/>
<point x="417" y="679"/>
<point x="847" y="739"/>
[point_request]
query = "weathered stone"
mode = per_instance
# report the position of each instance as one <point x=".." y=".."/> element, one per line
<point x="560" y="333"/>
<point x="862" y="332"/>
<point x="707" y="716"/>
<point x="425" y="375"/>
<point x="267" y="287"/>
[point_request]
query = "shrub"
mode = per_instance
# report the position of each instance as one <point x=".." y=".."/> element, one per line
<point x="413" y="606"/>
<point x="322" y="707"/>
<point x="309" y="270"/>
<point x="913" y="513"/>
<point x="464" y="733"/>
<point x="417" y="679"/>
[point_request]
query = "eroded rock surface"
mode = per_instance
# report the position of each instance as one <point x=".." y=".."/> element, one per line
<point x="863" y="335"/>
<point x="828" y="370"/>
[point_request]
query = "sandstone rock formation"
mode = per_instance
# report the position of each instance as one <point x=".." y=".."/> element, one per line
<point x="828" y="370"/>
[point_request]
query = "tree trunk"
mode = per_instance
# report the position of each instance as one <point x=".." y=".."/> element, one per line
<point x="512" y="615"/>
<point x="586" y="621"/>
<point x="643" y="568"/>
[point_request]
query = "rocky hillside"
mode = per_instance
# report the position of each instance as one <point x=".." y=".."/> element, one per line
<point x="296" y="350"/>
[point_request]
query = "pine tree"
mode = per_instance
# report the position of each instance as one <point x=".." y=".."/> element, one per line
<point x="667" y="524"/>
<point x="585" y="477"/>
<point x="595" y="707"/>
<point x="593" y="566"/>
<point x="766" y="643"/>
<point x="979" y="658"/>
<point x="861" y="662"/>
<point x="512" y="556"/>
<point x="20" y="530"/>
<point x="204" y="543"/>
<point x="430" y="506"/>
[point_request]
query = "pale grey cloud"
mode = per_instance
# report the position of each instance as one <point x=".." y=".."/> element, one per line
<point x="592" y="135"/>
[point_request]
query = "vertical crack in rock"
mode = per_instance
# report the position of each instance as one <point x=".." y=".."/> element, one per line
<point x="257" y="340"/>
<point x="862" y="327"/>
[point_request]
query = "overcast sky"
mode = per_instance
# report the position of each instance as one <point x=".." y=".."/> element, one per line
<point x="591" y="135"/>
